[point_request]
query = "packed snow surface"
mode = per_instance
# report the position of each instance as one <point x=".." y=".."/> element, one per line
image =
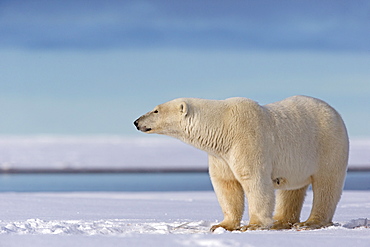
<point x="160" y="219"/>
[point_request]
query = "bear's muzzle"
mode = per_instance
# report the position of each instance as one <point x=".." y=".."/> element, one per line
<point x="141" y="128"/>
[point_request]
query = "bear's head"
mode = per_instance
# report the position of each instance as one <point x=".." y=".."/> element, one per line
<point x="164" y="119"/>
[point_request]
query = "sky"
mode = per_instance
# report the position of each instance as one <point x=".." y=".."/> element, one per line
<point x="92" y="67"/>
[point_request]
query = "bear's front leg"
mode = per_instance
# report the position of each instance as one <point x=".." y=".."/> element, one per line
<point x="261" y="200"/>
<point x="231" y="199"/>
<point x="229" y="193"/>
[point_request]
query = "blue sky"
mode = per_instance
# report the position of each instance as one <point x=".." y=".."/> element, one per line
<point x="92" y="67"/>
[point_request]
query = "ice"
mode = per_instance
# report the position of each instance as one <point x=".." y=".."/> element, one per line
<point x="355" y="223"/>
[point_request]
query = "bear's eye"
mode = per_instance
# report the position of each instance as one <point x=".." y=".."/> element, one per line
<point x="156" y="111"/>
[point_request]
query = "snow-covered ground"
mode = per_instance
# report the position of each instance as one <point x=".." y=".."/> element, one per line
<point x="63" y="153"/>
<point x="159" y="219"/>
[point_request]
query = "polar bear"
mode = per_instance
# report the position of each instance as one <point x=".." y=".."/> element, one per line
<point x="254" y="150"/>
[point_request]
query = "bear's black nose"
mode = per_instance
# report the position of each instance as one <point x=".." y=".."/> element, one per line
<point x="136" y="123"/>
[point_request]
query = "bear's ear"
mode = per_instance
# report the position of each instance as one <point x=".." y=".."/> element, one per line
<point x="184" y="108"/>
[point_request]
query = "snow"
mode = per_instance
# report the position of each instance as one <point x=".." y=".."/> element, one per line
<point x="97" y="153"/>
<point x="159" y="219"/>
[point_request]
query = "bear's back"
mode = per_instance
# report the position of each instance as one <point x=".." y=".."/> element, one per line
<point x="307" y="126"/>
<point x="304" y="108"/>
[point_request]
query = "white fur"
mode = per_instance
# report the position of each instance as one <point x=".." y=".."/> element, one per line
<point x="255" y="149"/>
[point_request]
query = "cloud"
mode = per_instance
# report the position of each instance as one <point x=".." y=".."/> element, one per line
<point x="333" y="25"/>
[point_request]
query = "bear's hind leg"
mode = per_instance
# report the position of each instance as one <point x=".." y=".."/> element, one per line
<point x="327" y="191"/>
<point x="229" y="193"/>
<point x="288" y="208"/>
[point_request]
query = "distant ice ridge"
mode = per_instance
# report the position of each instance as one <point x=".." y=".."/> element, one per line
<point x="99" y="153"/>
<point x="359" y="155"/>
<point x="61" y="153"/>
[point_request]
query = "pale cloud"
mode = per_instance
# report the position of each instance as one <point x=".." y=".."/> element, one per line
<point x="326" y="25"/>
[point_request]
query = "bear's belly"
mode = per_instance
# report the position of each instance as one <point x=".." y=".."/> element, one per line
<point x="286" y="183"/>
<point x="292" y="177"/>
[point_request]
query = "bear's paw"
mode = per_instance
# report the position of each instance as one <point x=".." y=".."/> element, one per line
<point x="253" y="227"/>
<point x="227" y="227"/>
<point x="312" y="225"/>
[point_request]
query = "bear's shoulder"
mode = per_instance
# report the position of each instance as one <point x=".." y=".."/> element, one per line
<point x="241" y="101"/>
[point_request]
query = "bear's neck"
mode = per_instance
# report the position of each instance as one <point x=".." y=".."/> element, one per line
<point x="208" y="135"/>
